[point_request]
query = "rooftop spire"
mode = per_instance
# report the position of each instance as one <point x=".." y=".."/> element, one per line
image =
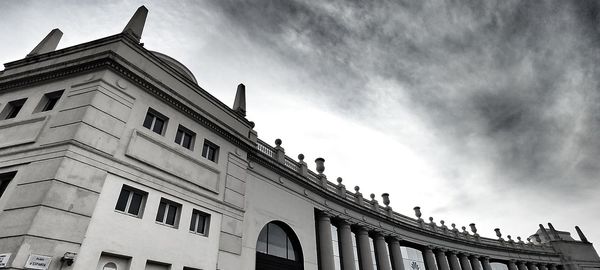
<point x="135" y="26"/>
<point x="48" y="44"/>
<point x="239" y="105"/>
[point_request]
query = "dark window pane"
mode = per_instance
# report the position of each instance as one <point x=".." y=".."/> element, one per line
<point x="122" y="201"/>
<point x="136" y="202"/>
<point x="171" y="214"/>
<point x="205" y="150"/>
<point x="178" y="136"/>
<point x="201" y="224"/>
<point x="158" y="125"/>
<point x="261" y="244"/>
<point x="5" y="179"/>
<point x="290" y="250"/>
<point x="277" y="241"/>
<point x="160" y="216"/>
<point x="187" y="140"/>
<point x="148" y="120"/>
<point x="193" y="223"/>
<point x="14" y="111"/>
<point x="50" y="104"/>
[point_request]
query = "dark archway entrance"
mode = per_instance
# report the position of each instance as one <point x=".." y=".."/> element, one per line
<point x="278" y="248"/>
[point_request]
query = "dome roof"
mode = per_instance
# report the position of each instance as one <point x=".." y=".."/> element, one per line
<point x="176" y="65"/>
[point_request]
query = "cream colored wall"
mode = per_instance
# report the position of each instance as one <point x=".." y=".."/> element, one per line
<point x="143" y="238"/>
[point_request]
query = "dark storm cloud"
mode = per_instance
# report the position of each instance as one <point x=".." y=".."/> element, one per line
<point x="519" y="78"/>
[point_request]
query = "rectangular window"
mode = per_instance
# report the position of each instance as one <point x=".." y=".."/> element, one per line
<point x="12" y="109"/>
<point x="185" y="137"/>
<point x="131" y="201"/>
<point x="210" y="151"/>
<point x="168" y="212"/>
<point x="200" y="222"/>
<point x="155" y="121"/>
<point x="5" y="179"/>
<point x="48" y="101"/>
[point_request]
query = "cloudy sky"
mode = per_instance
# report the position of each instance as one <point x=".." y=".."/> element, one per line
<point x="477" y="111"/>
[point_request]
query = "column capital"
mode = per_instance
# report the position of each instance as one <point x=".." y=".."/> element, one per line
<point x="440" y="249"/>
<point x="485" y="258"/>
<point x="453" y="252"/>
<point x="473" y="256"/>
<point x="543" y="264"/>
<point x="343" y="222"/>
<point x="324" y="215"/>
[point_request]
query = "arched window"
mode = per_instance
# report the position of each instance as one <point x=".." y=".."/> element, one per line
<point x="110" y="266"/>
<point x="278" y="245"/>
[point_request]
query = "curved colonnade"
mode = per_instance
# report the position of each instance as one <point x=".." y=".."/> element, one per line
<point x="443" y="248"/>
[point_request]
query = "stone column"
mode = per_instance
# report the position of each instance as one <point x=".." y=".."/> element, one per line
<point x="464" y="261"/>
<point x="531" y="266"/>
<point x="521" y="265"/>
<point x="396" y="254"/>
<point x="552" y="266"/>
<point x="512" y="265"/>
<point x="485" y="262"/>
<point x="347" y="250"/>
<point x="429" y="259"/>
<point x="453" y="260"/>
<point x="325" y="243"/>
<point x="542" y="266"/>
<point x="440" y="257"/>
<point x="475" y="262"/>
<point x="381" y="253"/>
<point x="364" y="249"/>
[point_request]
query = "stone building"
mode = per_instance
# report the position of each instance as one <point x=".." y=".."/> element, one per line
<point x="112" y="157"/>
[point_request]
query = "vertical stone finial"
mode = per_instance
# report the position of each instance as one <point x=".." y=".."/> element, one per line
<point x="432" y="224"/>
<point x="417" y="212"/>
<point x="465" y="232"/>
<point x="239" y="104"/>
<point x="553" y="231"/>
<point x="545" y="232"/>
<point x="374" y="203"/>
<point x="498" y="233"/>
<point x="519" y="240"/>
<point x="581" y="236"/>
<point x="341" y="188"/>
<point x="444" y="227"/>
<point x="279" y="152"/>
<point x="358" y="196"/>
<point x="303" y="168"/>
<point x="48" y="44"/>
<point x="473" y="228"/>
<point x="386" y="199"/>
<point x="320" y="165"/>
<point x="135" y="26"/>
<point x="510" y="240"/>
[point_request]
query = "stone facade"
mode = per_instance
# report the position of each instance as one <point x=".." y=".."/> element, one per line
<point x="86" y="129"/>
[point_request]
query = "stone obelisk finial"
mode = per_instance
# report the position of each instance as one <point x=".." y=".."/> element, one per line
<point x="135" y="26"/>
<point x="239" y="104"/>
<point x="48" y="44"/>
<point x="581" y="236"/>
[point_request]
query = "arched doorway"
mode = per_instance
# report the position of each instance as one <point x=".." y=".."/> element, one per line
<point x="278" y="248"/>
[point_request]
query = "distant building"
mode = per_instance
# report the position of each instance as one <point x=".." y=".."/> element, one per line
<point x="112" y="157"/>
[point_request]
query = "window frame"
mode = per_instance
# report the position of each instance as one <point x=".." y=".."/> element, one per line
<point x="215" y="147"/>
<point x="156" y="115"/>
<point x="185" y="131"/>
<point x="10" y="107"/>
<point x="132" y="191"/>
<point x="166" y="212"/>
<point x="194" y="222"/>
<point x="48" y="99"/>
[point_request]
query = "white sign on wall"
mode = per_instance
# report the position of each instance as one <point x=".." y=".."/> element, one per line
<point x="4" y="259"/>
<point x="38" y="262"/>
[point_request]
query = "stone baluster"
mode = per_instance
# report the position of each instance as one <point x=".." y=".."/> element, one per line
<point x="464" y="261"/>
<point x="512" y="265"/>
<point x="303" y="167"/>
<point x="440" y="257"/>
<point x="475" y="264"/>
<point x="453" y="260"/>
<point x="325" y="242"/>
<point x="279" y="152"/>
<point x="521" y="265"/>
<point x="531" y="266"/>
<point x="381" y="252"/>
<point x="395" y="254"/>
<point x="485" y="262"/>
<point x="346" y="248"/>
<point x="430" y="263"/>
<point x="364" y="249"/>
<point x="542" y="266"/>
